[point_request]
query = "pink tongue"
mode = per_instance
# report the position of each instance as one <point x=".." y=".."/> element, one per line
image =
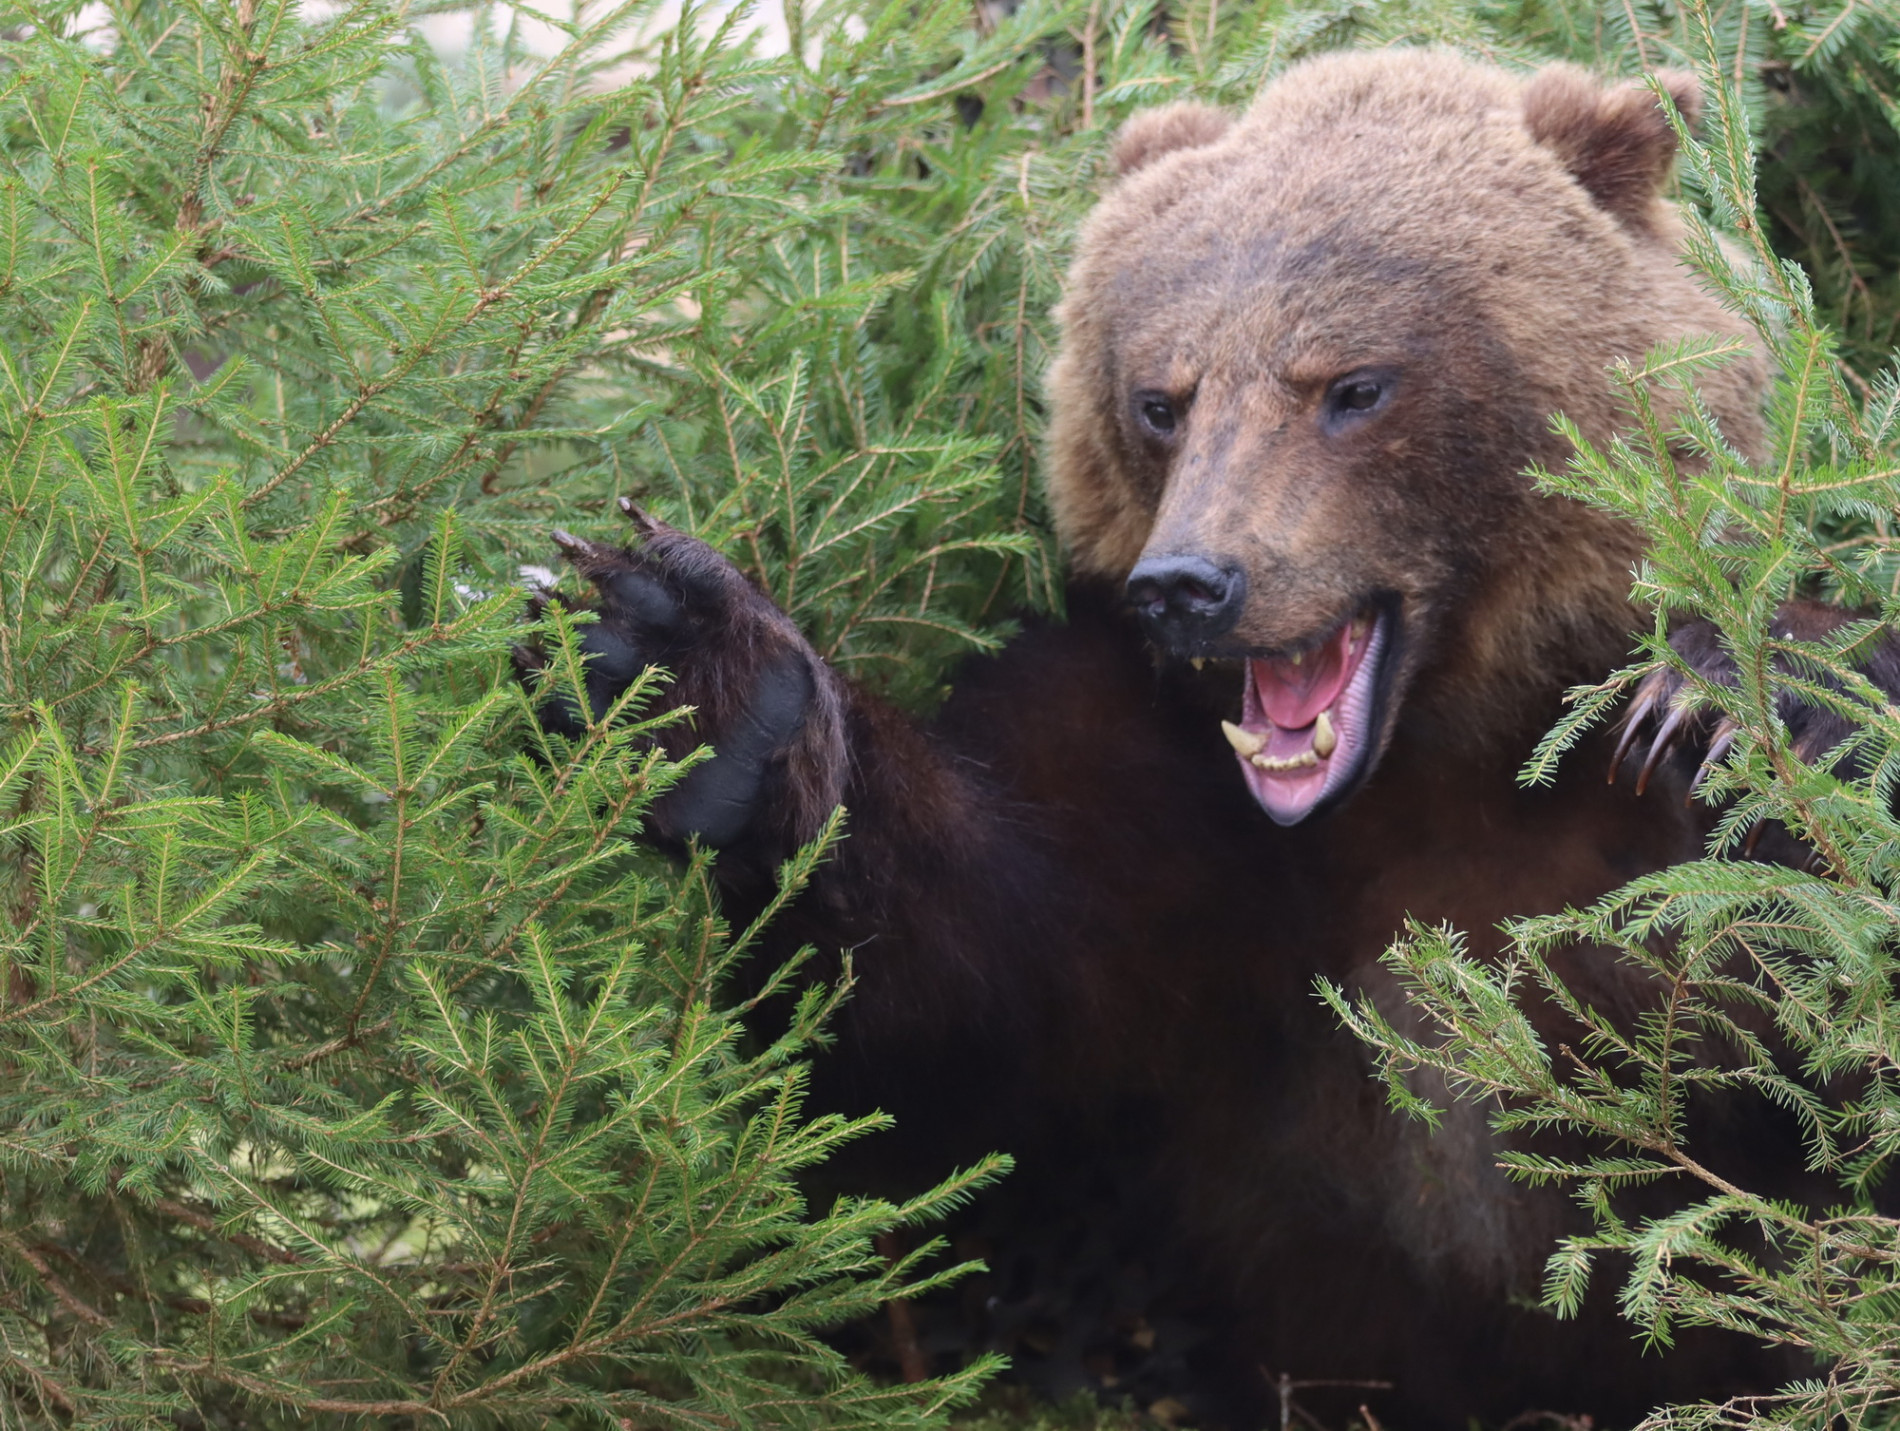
<point x="1293" y="696"/>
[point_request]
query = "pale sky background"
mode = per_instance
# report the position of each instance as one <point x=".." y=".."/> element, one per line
<point x="449" y="33"/>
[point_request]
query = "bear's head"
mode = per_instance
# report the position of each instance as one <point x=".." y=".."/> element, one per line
<point x="1307" y="357"/>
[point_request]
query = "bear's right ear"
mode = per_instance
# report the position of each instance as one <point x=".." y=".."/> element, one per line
<point x="1618" y="142"/>
<point x="1154" y="132"/>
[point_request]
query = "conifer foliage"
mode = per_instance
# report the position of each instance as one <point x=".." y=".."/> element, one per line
<point x="351" y="1059"/>
<point x="1772" y="983"/>
<point x="355" y="1060"/>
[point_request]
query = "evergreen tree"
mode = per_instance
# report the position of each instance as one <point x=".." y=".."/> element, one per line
<point x="355" y="1059"/>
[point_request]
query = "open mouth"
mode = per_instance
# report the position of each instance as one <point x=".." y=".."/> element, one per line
<point x="1306" y="722"/>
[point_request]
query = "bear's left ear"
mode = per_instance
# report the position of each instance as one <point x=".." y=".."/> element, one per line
<point x="1616" y="142"/>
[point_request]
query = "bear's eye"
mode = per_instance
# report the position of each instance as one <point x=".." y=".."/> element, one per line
<point x="1156" y="413"/>
<point x="1355" y="395"/>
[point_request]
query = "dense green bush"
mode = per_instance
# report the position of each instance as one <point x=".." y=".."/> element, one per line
<point x="353" y="1059"/>
<point x="354" y="1062"/>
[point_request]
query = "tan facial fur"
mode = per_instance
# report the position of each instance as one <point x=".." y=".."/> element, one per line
<point x="1489" y="245"/>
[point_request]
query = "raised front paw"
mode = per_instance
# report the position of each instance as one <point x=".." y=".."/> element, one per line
<point x="761" y="697"/>
<point x="1666" y="716"/>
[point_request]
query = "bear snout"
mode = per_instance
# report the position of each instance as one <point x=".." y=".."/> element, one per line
<point x="1187" y="601"/>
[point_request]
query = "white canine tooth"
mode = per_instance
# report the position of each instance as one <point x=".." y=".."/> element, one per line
<point x="1361" y="625"/>
<point x="1197" y="661"/>
<point x="1302" y="761"/>
<point x="1244" y="742"/>
<point x="1298" y="656"/>
<point x="1324" y="739"/>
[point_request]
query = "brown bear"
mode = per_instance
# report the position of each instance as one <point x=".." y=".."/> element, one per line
<point x="1318" y="617"/>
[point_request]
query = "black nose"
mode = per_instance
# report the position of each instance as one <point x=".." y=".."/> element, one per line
<point x="1187" y="601"/>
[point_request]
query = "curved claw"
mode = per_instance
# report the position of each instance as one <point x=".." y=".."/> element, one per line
<point x="590" y="558"/>
<point x="1719" y="746"/>
<point x="644" y="522"/>
<point x="1647" y="695"/>
<point x="1665" y="738"/>
<point x="581" y="549"/>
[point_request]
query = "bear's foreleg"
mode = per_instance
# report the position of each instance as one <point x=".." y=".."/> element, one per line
<point x="960" y="904"/>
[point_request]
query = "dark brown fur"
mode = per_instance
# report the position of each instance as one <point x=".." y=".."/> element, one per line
<point x="1060" y="899"/>
<point x="1066" y="914"/>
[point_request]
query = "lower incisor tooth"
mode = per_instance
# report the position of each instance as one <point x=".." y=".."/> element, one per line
<point x="1324" y="740"/>
<point x="1301" y="761"/>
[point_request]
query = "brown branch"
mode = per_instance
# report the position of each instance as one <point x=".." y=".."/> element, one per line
<point x="335" y="1045"/>
<point x="204" y="1222"/>
<point x="224" y="1372"/>
<point x="943" y="90"/>
<point x="67" y="1298"/>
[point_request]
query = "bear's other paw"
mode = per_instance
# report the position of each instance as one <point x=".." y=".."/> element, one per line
<point x="1664" y="715"/>
<point x="763" y="699"/>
